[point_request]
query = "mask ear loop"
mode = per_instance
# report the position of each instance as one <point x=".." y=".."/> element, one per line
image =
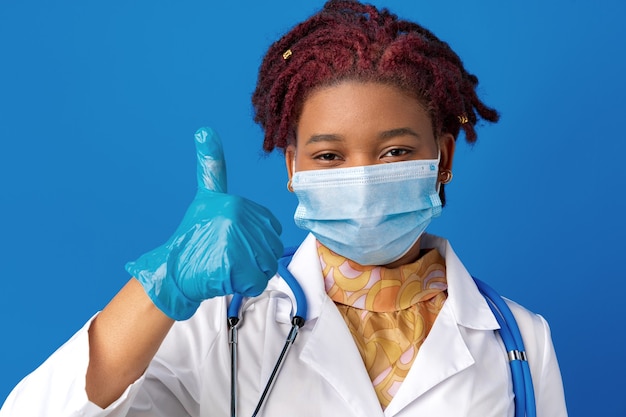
<point x="293" y="171"/>
<point x="438" y="162"/>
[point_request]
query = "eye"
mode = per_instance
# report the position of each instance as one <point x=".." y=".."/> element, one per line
<point x="327" y="157"/>
<point x="396" y="152"/>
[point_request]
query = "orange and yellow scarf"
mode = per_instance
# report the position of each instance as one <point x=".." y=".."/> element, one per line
<point x="388" y="311"/>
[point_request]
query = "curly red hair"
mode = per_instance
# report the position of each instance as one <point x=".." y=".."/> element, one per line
<point x="348" y="40"/>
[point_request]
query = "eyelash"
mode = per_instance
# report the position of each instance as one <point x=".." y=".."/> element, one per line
<point x="392" y="153"/>
<point x="396" y="152"/>
<point x="325" y="156"/>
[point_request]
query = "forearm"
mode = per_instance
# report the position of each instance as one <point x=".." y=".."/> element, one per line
<point x="123" y="339"/>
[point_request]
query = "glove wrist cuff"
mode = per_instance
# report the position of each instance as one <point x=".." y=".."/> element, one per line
<point x="166" y="295"/>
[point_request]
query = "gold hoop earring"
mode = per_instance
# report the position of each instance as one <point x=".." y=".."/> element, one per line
<point x="289" y="187"/>
<point x="447" y="176"/>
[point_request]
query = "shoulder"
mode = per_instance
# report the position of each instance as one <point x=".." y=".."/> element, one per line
<point x="534" y="328"/>
<point x="537" y="340"/>
<point x="542" y="359"/>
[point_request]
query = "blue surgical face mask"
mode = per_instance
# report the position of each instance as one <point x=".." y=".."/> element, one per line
<point x="371" y="214"/>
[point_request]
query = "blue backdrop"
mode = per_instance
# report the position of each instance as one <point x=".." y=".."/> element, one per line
<point x="99" y="102"/>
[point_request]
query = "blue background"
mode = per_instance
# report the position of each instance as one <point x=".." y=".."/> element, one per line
<point x="99" y="102"/>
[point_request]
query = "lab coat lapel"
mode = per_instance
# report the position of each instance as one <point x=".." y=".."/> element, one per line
<point x="331" y="352"/>
<point x="329" y="349"/>
<point x="443" y="355"/>
<point x="446" y="352"/>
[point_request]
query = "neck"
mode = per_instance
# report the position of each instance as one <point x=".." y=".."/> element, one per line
<point x="411" y="256"/>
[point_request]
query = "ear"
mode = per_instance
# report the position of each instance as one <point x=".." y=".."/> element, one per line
<point x="447" y="145"/>
<point x="290" y="159"/>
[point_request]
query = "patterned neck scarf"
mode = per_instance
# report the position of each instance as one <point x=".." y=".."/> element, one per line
<point x="388" y="311"/>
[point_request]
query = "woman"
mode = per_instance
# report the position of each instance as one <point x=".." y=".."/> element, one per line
<point x="367" y="109"/>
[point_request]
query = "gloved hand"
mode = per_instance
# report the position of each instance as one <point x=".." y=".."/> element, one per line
<point x="224" y="245"/>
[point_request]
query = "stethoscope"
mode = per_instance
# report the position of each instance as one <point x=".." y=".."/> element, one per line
<point x="509" y="333"/>
<point x="296" y="323"/>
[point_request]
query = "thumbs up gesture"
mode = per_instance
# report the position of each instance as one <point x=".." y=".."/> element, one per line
<point x="224" y="245"/>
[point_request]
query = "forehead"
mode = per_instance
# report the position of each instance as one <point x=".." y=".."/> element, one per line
<point x="363" y="106"/>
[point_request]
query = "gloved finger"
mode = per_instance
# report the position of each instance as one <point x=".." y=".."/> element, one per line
<point x="248" y="280"/>
<point x="250" y="273"/>
<point x="267" y="215"/>
<point x="255" y="220"/>
<point x="211" y="168"/>
<point x="269" y="237"/>
<point x="265" y="247"/>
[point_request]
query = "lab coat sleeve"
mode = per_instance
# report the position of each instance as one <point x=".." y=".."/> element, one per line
<point x="550" y="393"/>
<point x="57" y="388"/>
<point x="544" y="367"/>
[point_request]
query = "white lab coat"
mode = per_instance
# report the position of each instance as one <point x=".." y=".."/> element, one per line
<point x="461" y="369"/>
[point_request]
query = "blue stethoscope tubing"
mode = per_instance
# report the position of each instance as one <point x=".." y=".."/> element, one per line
<point x="296" y="323"/>
<point x="512" y="338"/>
<point x="509" y="333"/>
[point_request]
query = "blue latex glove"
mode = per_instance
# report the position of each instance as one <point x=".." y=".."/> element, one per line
<point x="224" y="245"/>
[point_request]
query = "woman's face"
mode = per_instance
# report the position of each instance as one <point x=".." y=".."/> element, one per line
<point x="365" y="123"/>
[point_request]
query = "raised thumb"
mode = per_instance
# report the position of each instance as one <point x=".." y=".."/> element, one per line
<point x="211" y="168"/>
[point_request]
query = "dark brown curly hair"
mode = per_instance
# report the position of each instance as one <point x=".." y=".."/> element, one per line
<point x="348" y="40"/>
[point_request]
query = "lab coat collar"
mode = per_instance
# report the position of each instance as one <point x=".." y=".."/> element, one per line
<point x="305" y="267"/>
<point x="443" y="354"/>
<point x="467" y="304"/>
<point x="330" y="346"/>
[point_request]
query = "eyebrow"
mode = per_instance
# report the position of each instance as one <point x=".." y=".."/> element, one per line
<point x="324" y="138"/>
<point x="387" y="134"/>
<point x="402" y="131"/>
